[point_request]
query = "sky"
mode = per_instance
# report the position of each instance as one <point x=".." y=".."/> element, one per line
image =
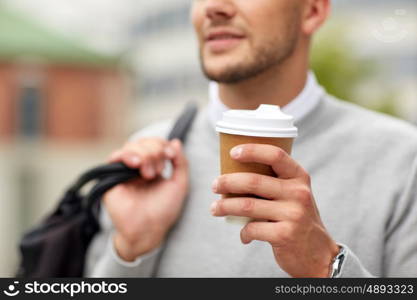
<point x="91" y="21"/>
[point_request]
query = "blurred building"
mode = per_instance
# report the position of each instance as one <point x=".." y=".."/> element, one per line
<point x="63" y="108"/>
<point x="54" y="88"/>
<point x="167" y="61"/>
<point x="165" y="55"/>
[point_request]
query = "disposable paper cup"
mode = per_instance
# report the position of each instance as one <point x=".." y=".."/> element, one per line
<point x="265" y="125"/>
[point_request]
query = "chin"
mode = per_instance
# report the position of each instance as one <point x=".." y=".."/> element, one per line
<point x="218" y="69"/>
<point x="216" y="74"/>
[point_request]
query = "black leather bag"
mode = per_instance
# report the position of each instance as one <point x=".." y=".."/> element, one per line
<point x="57" y="247"/>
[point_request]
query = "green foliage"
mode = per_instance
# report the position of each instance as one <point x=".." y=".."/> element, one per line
<point x="341" y="70"/>
<point x="20" y="36"/>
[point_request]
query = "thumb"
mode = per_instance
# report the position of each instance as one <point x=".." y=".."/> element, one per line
<point x="180" y="164"/>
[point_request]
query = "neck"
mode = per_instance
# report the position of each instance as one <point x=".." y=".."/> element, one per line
<point x="278" y="85"/>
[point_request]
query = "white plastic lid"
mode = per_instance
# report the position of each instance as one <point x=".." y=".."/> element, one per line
<point x="266" y="121"/>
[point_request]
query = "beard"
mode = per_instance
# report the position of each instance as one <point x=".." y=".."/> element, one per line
<point x="269" y="55"/>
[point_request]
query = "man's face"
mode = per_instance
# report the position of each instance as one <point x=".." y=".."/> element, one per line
<point x="240" y="39"/>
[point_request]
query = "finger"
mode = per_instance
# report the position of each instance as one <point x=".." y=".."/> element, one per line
<point x="180" y="165"/>
<point x="169" y="151"/>
<point x="131" y="154"/>
<point x="152" y="153"/>
<point x="115" y="156"/>
<point x="254" y="208"/>
<point x="169" y="154"/>
<point x="129" y="158"/>
<point x="160" y="166"/>
<point x="154" y="156"/>
<point x="275" y="233"/>
<point x="146" y="166"/>
<point x="254" y="184"/>
<point x="282" y="164"/>
<point x="160" y="151"/>
<point x="147" y="170"/>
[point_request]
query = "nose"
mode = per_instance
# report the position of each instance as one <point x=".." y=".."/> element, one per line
<point x="220" y="10"/>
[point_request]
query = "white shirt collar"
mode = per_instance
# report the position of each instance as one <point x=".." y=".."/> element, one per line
<point x="304" y="103"/>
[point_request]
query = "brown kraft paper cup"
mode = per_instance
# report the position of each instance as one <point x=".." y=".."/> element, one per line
<point x="229" y="165"/>
<point x="265" y="125"/>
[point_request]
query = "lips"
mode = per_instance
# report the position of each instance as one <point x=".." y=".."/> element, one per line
<point x="222" y="35"/>
<point x="223" y="40"/>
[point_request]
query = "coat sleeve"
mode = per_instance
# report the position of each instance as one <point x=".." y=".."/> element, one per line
<point x="102" y="259"/>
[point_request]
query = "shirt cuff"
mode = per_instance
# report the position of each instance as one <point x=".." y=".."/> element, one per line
<point x="352" y="267"/>
<point x="129" y="264"/>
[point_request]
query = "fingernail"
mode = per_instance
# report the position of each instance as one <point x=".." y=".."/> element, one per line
<point x="134" y="160"/>
<point x="214" y="186"/>
<point x="236" y="152"/>
<point x="213" y="208"/>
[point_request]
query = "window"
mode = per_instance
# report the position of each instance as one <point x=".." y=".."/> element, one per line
<point x="29" y="111"/>
<point x="167" y="19"/>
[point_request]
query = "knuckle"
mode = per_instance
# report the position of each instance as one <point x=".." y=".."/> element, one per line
<point x="304" y="175"/>
<point x="303" y="195"/>
<point x="157" y="142"/>
<point x="222" y="182"/>
<point x="307" y="178"/>
<point x="284" y="234"/>
<point x="253" y="182"/>
<point x="126" y="154"/>
<point x="144" y="156"/>
<point x="249" y="150"/>
<point x="282" y="238"/>
<point x="278" y="154"/>
<point x="155" y="154"/>
<point x="220" y="207"/>
<point x="251" y="229"/>
<point x="297" y="215"/>
<point x="248" y="205"/>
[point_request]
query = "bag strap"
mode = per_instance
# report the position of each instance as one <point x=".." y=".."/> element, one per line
<point x="181" y="127"/>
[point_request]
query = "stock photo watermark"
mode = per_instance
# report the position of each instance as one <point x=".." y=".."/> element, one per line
<point x="71" y="289"/>
<point x="391" y="29"/>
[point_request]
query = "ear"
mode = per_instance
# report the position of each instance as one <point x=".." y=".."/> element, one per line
<point x="314" y="14"/>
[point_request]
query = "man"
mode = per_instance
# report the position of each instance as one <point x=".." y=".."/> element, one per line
<point x="344" y="204"/>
